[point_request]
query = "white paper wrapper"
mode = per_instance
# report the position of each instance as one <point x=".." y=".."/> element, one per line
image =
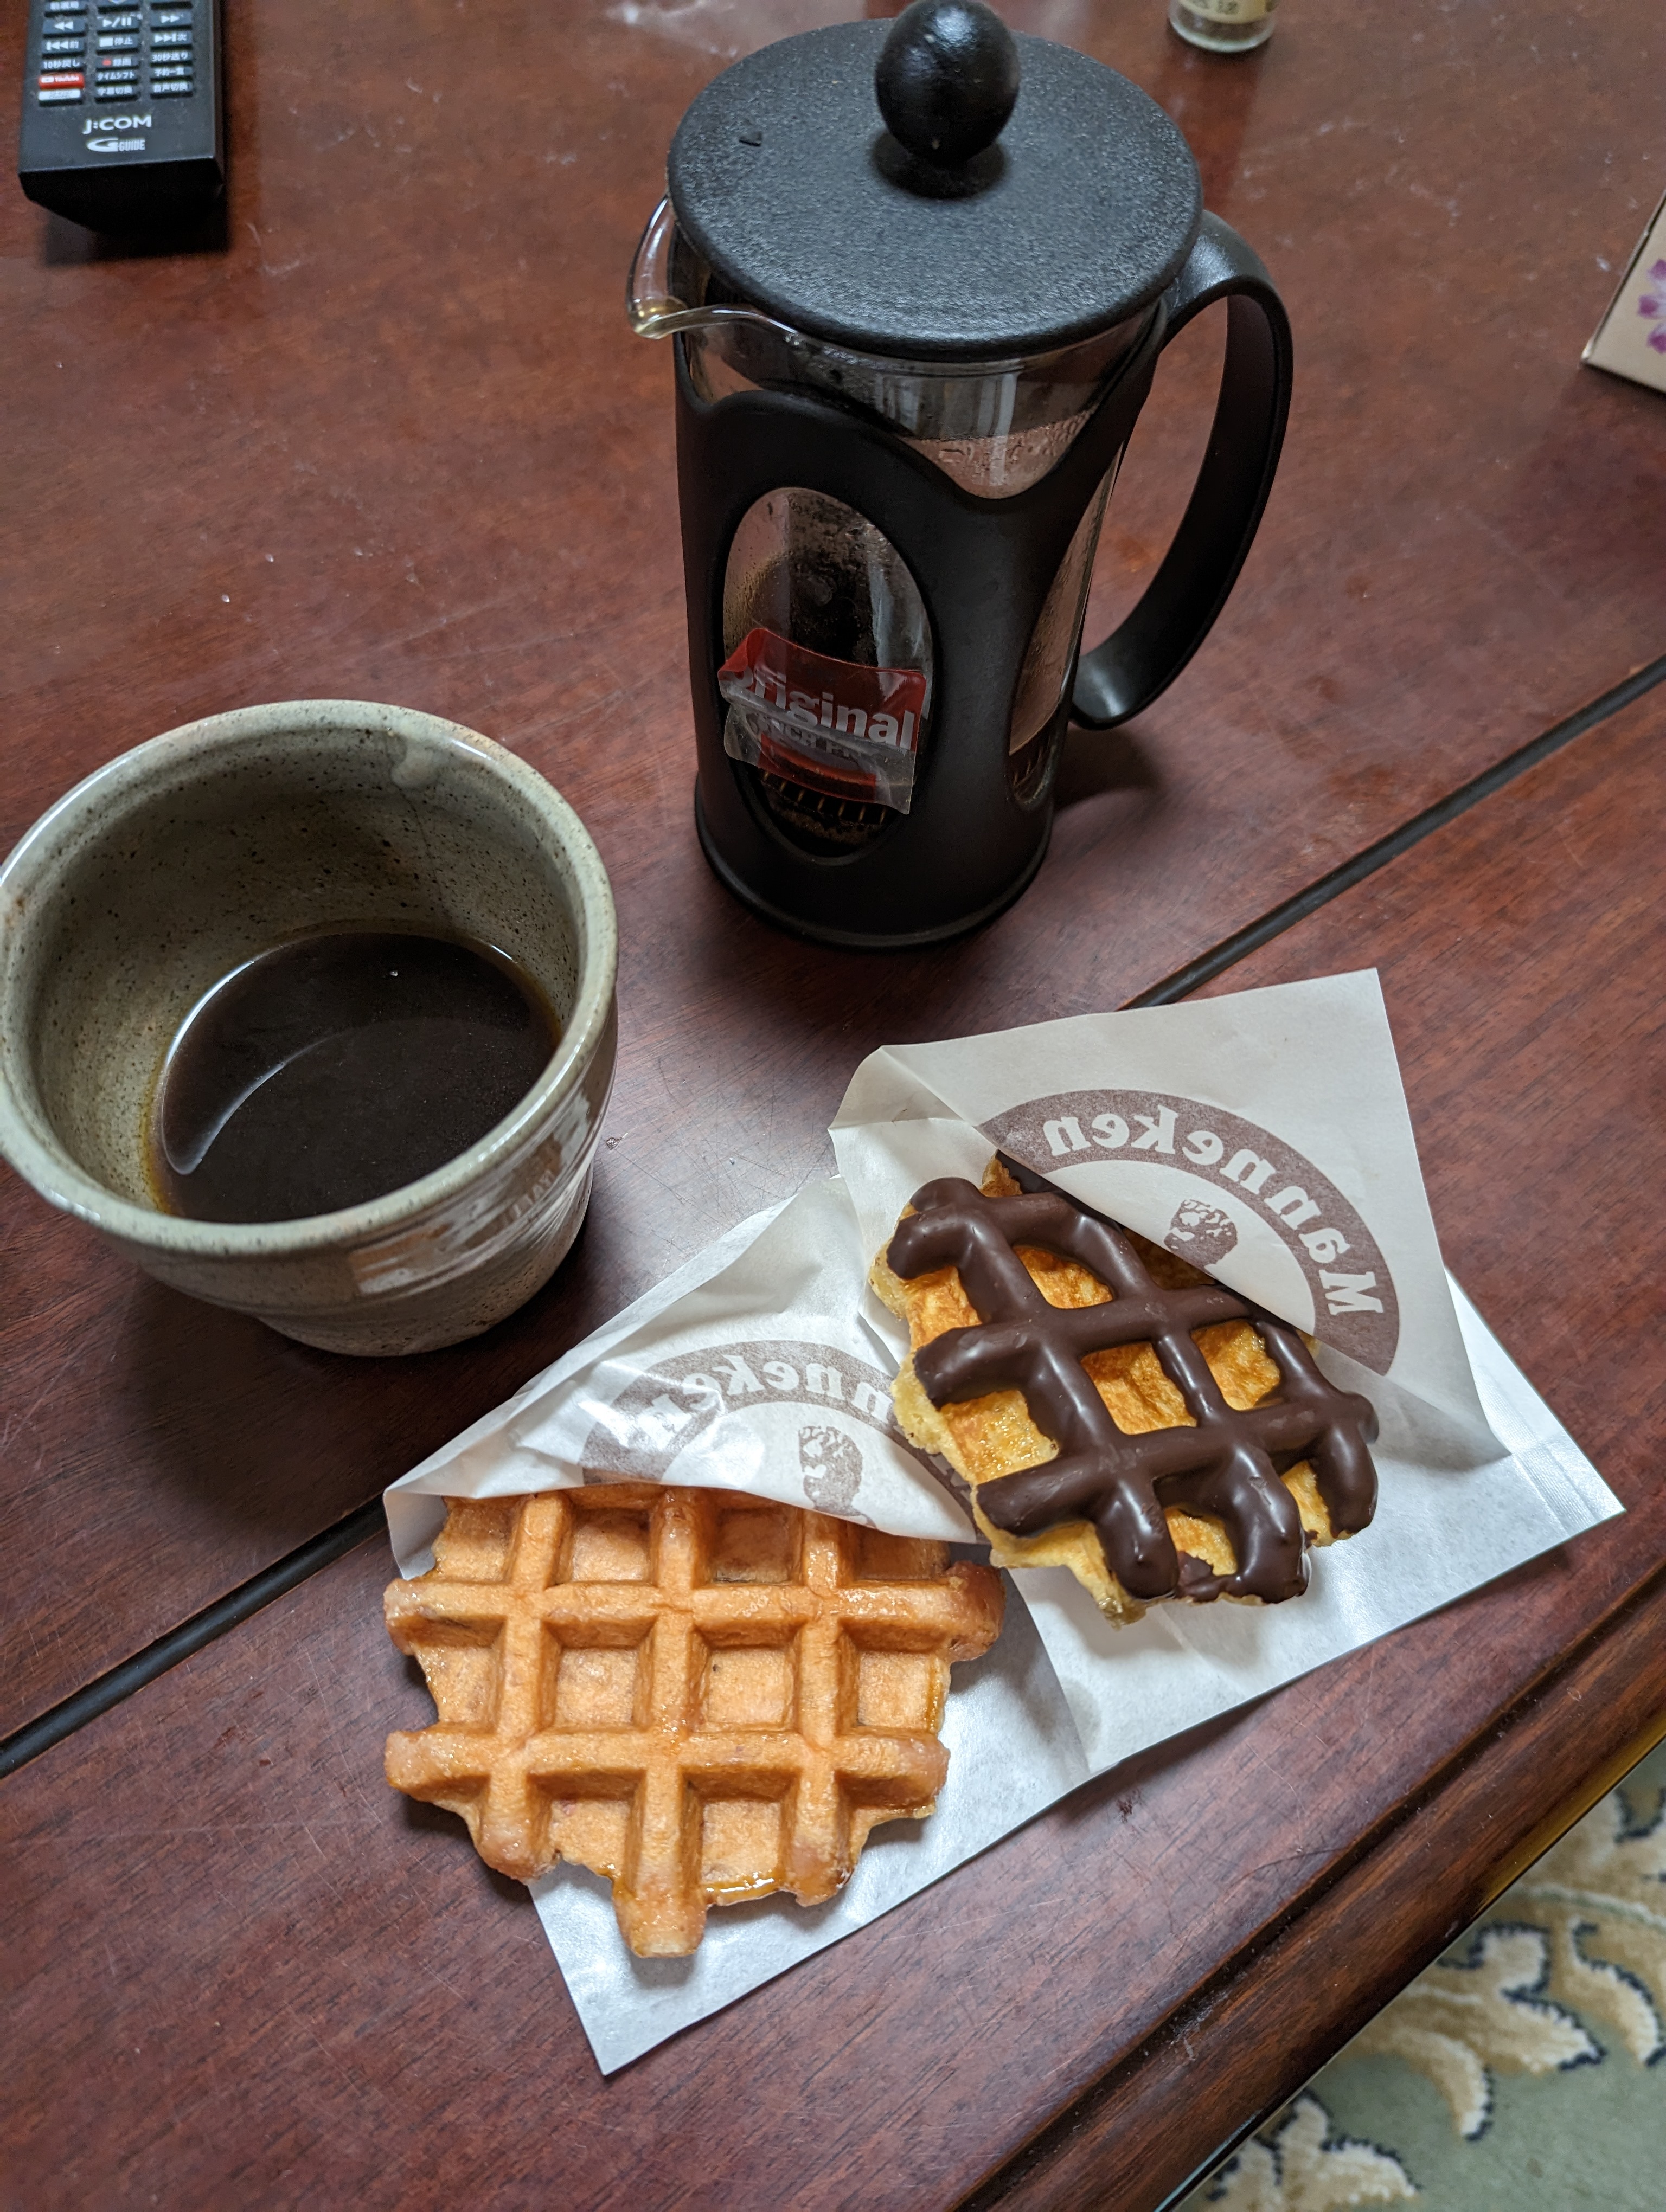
<point x="1265" y="1137"/>
<point x="750" y="1369"/>
<point x="1012" y="1751"/>
<point x="762" y="1365"/>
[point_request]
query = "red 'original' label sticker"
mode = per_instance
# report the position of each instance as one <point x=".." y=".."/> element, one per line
<point x="812" y="702"/>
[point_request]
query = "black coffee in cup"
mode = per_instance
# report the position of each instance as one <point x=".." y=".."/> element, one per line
<point x="340" y="1067"/>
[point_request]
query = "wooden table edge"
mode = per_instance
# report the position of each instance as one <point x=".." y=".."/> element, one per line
<point x="1090" y="2157"/>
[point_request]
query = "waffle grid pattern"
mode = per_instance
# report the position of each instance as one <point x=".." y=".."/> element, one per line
<point x="1222" y="1464"/>
<point x="699" y="1695"/>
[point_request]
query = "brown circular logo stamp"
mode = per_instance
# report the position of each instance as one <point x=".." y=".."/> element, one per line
<point x="638" y="1435"/>
<point x="1234" y="1162"/>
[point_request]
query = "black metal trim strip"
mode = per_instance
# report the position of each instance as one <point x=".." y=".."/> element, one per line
<point x="1278" y="919"/>
<point x="214" y="1620"/>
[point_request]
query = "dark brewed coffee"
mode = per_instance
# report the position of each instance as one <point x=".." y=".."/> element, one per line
<point x="338" y="1067"/>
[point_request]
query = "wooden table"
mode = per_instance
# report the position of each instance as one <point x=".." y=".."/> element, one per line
<point x="391" y="439"/>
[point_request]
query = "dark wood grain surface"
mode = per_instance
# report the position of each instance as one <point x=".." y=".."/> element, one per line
<point x="1519" y="951"/>
<point x="389" y="438"/>
<point x="305" y="1991"/>
<point x="394" y="441"/>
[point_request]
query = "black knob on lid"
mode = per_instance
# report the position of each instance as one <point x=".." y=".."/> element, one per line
<point x="946" y="79"/>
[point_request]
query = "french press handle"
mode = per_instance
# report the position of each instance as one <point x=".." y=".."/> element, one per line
<point x="1138" y="661"/>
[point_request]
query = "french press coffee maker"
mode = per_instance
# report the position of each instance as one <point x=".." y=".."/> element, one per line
<point x="919" y="275"/>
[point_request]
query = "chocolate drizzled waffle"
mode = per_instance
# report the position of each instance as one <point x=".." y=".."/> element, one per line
<point x="699" y="1695"/>
<point x="1233" y="1451"/>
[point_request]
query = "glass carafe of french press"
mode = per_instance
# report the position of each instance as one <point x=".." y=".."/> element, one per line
<point x="919" y="275"/>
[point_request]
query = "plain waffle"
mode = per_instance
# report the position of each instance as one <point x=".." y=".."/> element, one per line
<point x="699" y="1695"/>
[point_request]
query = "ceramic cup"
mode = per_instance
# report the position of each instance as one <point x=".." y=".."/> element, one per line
<point x="170" y="866"/>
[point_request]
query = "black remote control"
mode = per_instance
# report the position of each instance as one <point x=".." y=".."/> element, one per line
<point x="121" y="111"/>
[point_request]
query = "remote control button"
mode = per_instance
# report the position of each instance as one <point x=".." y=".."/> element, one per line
<point x="159" y="16"/>
<point x="171" y="91"/>
<point x="159" y="39"/>
<point x="47" y="99"/>
<point x="171" y="65"/>
<point x="75" y="46"/>
<point x="58" y="80"/>
<point x="124" y="43"/>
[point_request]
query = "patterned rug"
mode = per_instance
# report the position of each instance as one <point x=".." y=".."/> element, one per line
<point x="1525" y="2071"/>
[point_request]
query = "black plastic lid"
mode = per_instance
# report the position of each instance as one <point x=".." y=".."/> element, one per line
<point x="786" y="181"/>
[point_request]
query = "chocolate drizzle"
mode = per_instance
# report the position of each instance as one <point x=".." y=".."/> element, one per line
<point x="1226" y="1466"/>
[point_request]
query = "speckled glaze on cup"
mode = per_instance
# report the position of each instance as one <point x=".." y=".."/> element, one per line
<point x="161" y="873"/>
